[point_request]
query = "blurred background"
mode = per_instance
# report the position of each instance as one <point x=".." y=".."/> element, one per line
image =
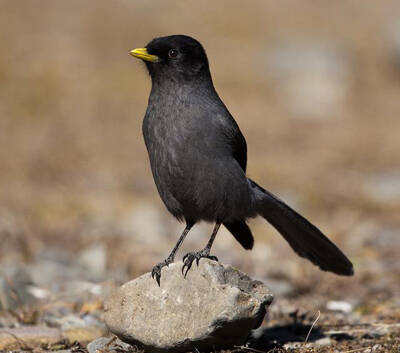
<point x="314" y="86"/>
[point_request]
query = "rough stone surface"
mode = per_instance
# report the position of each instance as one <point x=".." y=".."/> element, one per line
<point x="107" y="344"/>
<point x="216" y="306"/>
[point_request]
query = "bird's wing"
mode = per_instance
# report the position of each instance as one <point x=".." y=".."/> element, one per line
<point x="240" y="149"/>
<point x="236" y="141"/>
<point x="223" y="127"/>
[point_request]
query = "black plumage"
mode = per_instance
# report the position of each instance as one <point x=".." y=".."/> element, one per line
<point x="198" y="159"/>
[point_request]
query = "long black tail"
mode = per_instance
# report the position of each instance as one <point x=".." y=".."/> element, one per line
<point x="304" y="238"/>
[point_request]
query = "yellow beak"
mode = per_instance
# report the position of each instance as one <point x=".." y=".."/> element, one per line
<point x="142" y="53"/>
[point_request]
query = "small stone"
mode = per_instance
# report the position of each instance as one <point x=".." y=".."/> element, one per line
<point x="94" y="261"/>
<point x="70" y="321"/>
<point x="39" y="293"/>
<point x="216" y="306"/>
<point x="98" y="344"/>
<point x="293" y="345"/>
<point x="376" y="347"/>
<point x="107" y="344"/>
<point x="377" y="333"/>
<point x="325" y="341"/>
<point x="15" y="284"/>
<point x="344" y="307"/>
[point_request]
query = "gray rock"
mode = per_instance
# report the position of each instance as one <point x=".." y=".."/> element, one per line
<point x="339" y="305"/>
<point x="15" y="284"/>
<point x="325" y="341"/>
<point x="94" y="261"/>
<point x="107" y="344"/>
<point x="98" y="344"/>
<point x="376" y="347"/>
<point x="71" y="321"/>
<point x="216" y="306"/>
<point x="293" y="345"/>
<point x="379" y="332"/>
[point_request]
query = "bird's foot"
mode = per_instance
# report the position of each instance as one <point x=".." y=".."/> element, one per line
<point x="191" y="256"/>
<point x="156" y="272"/>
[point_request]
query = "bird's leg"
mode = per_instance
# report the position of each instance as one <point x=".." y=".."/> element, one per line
<point x="156" y="272"/>
<point x="191" y="256"/>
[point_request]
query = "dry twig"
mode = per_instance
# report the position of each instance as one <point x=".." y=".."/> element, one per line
<point x="312" y="326"/>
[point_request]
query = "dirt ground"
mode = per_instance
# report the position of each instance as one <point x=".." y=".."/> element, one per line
<point x="315" y="88"/>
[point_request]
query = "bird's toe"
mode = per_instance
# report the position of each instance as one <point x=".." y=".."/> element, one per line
<point x="192" y="256"/>
<point x="156" y="271"/>
<point x="187" y="263"/>
<point x="214" y="258"/>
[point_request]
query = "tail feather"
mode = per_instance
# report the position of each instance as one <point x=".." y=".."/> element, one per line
<point x="242" y="233"/>
<point x="304" y="238"/>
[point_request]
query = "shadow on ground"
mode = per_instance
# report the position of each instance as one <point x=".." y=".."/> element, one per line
<point x="267" y="338"/>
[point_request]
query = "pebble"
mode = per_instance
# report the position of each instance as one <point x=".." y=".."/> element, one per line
<point x="94" y="261"/>
<point x="342" y="306"/>
<point x="323" y="341"/>
<point x="108" y="344"/>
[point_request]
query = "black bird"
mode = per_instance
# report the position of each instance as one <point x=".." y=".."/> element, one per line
<point x="198" y="159"/>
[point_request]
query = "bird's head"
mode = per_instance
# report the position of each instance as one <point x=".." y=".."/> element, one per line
<point x="175" y="58"/>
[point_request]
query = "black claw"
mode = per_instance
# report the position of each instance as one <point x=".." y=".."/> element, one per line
<point x="156" y="272"/>
<point x="189" y="265"/>
<point x="190" y="257"/>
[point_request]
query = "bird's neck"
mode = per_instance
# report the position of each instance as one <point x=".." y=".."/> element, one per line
<point x="181" y="85"/>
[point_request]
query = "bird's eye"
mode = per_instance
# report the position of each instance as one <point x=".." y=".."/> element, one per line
<point x="173" y="53"/>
